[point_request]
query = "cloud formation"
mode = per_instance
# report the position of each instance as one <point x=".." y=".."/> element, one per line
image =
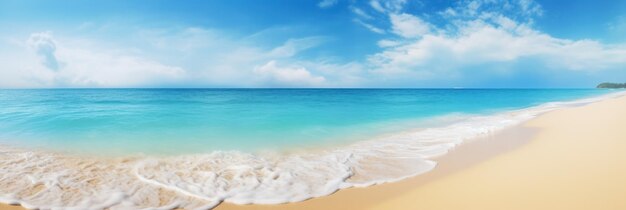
<point x="370" y="27"/>
<point x="174" y="57"/>
<point x="85" y="64"/>
<point x="288" y="76"/>
<point x="293" y="46"/>
<point x="388" y="6"/>
<point x="408" y="26"/>
<point x="327" y="3"/>
<point x="44" y="45"/>
<point x="481" y="33"/>
<point x="407" y="47"/>
<point x="222" y="61"/>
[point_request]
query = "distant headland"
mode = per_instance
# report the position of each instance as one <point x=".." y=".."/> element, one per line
<point x="611" y="85"/>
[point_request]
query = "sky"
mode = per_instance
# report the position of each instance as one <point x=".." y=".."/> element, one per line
<point x="312" y="43"/>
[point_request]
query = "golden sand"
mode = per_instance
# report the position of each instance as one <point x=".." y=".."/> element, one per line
<point x="10" y="207"/>
<point x="573" y="158"/>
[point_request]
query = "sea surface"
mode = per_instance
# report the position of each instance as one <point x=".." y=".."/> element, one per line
<point x="195" y="148"/>
<point x="184" y="121"/>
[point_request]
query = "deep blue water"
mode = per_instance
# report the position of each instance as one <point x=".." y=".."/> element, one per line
<point x="174" y="121"/>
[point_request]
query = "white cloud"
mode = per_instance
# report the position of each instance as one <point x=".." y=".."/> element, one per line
<point x="477" y="35"/>
<point x="288" y="76"/>
<point x="388" y="6"/>
<point x="44" y="46"/>
<point x="388" y="43"/>
<point x="105" y="68"/>
<point x="295" y="46"/>
<point x="408" y="26"/>
<point x="377" y="6"/>
<point x="338" y="74"/>
<point x="327" y="3"/>
<point x="158" y="57"/>
<point x="501" y="40"/>
<point x="184" y="40"/>
<point x="530" y="7"/>
<point x="362" y="14"/>
<point x="370" y="27"/>
<point x="448" y="13"/>
<point x="232" y="62"/>
<point x="471" y="9"/>
<point x="84" y="65"/>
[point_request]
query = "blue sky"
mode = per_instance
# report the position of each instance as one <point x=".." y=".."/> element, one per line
<point x="322" y="43"/>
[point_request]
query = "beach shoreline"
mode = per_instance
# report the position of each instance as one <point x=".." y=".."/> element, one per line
<point x="462" y="159"/>
<point x="535" y="166"/>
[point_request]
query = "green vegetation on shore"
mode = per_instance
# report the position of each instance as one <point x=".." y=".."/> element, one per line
<point x="611" y="85"/>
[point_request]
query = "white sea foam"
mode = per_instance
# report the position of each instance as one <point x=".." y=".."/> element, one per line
<point x="56" y="181"/>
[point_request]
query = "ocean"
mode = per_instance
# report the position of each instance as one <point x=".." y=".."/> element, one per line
<point x="122" y="147"/>
<point x="184" y="121"/>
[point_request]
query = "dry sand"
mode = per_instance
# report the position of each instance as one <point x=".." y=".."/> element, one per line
<point x="573" y="158"/>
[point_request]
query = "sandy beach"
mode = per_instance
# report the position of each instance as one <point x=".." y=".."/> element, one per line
<point x="566" y="159"/>
<point x="571" y="158"/>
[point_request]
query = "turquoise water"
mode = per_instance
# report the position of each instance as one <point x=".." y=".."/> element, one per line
<point x="174" y="121"/>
